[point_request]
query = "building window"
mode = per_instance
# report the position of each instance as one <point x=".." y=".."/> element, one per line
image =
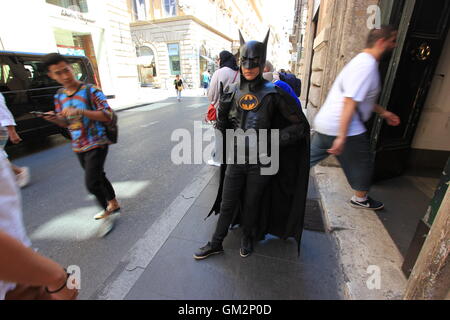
<point x="75" y="5"/>
<point x="170" y="8"/>
<point x="174" y="58"/>
<point x="139" y="10"/>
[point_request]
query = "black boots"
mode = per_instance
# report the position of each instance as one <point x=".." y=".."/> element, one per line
<point x="207" y="251"/>
<point x="246" y="246"/>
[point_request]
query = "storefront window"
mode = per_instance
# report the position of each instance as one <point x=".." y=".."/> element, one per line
<point x="170" y="8"/>
<point x="174" y="58"/>
<point x="75" y="5"/>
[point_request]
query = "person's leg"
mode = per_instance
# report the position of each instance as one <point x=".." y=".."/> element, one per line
<point x="319" y="145"/>
<point x="233" y="184"/>
<point x="357" y="161"/>
<point x="96" y="181"/>
<point x="256" y="184"/>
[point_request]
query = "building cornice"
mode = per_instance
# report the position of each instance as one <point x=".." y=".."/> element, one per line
<point x="181" y="18"/>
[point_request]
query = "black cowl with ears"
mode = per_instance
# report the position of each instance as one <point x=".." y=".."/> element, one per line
<point x="253" y="53"/>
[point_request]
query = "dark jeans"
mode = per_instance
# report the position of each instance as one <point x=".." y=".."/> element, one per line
<point x="93" y="162"/>
<point x="356" y="160"/>
<point x="240" y="178"/>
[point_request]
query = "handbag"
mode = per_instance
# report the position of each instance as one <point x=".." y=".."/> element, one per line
<point x="211" y="115"/>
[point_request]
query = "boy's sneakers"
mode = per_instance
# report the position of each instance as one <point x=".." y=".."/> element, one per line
<point x="106" y="213"/>
<point x="368" y="204"/>
<point x="207" y="251"/>
<point x="23" y="178"/>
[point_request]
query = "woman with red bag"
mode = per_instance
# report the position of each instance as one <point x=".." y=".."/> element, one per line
<point x="227" y="74"/>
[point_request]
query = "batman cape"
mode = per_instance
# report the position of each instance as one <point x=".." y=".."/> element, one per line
<point x="282" y="206"/>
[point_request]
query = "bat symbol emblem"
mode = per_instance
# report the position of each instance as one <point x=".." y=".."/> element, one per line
<point x="248" y="102"/>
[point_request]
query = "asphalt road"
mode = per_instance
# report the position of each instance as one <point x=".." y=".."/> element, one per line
<point x="58" y="211"/>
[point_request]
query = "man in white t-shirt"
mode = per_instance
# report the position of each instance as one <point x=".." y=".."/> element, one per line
<point x="339" y="125"/>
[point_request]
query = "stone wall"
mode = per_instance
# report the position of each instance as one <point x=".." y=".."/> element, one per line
<point x="341" y="34"/>
<point x="190" y="35"/>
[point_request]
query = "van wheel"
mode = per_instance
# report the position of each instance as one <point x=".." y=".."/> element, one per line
<point x="66" y="134"/>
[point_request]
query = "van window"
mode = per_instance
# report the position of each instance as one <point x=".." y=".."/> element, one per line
<point x="22" y="73"/>
<point x="79" y="69"/>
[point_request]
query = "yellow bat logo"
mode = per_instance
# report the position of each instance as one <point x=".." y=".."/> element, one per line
<point x="248" y="102"/>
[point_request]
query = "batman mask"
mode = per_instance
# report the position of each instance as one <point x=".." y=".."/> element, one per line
<point x="253" y="53"/>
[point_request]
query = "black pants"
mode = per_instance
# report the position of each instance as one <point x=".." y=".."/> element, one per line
<point x="240" y="178"/>
<point x="93" y="162"/>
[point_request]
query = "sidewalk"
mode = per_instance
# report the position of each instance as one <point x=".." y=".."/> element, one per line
<point x="151" y="95"/>
<point x="364" y="243"/>
<point x="273" y="271"/>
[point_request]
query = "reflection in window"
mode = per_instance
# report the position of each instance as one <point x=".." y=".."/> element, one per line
<point x="170" y="8"/>
<point x="174" y="58"/>
<point x="75" y="5"/>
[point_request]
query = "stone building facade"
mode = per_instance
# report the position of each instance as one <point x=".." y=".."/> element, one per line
<point x="97" y="29"/>
<point x="415" y="86"/>
<point x="185" y="36"/>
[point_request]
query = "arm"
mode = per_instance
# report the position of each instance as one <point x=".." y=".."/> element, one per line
<point x="225" y="104"/>
<point x="289" y="110"/>
<point x="348" y="111"/>
<point x="391" y="118"/>
<point x="28" y="267"/>
<point x="213" y="91"/>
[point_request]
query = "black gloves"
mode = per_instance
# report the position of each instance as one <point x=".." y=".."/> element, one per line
<point x="225" y="104"/>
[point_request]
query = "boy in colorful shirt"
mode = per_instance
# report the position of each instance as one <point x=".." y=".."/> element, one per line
<point x="85" y="122"/>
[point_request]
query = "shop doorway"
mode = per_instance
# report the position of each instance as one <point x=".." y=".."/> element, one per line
<point x="146" y="66"/>
<point x="77" y="44"/>
<point x="410" y="159"/>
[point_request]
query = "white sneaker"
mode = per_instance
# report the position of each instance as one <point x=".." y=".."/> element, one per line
<point x="106" y="226"/>
<point x="211" y="162"/>
<point x="23" y="178"/>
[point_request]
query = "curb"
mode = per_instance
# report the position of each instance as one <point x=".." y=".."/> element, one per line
<point x="362" y="241"/>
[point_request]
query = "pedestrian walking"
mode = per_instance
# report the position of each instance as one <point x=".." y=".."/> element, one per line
<point x="84" y="110"/>
<point x="206" y="78"/>
<point x="179" y="86"/>
<point x="227" y="74"/>
<point x="8" y="131"/>
<point x="273" y="76"/>
<point x="339" y="125"/>
<point x="24" y="274"/>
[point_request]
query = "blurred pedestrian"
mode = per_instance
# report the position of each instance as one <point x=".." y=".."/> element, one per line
<point x="8" y="131"/>
<point x="206" y="78"/>
<point x="24" y="274"/>
<point x="273" y="76"/>
<point x="339" y="125"/>
<point x="227" y="74"/>
<point x="84" y="110"/>
<point x="179" y="86"/>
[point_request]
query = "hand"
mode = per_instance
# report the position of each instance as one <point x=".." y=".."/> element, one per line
<point x="338" y="146"/>
<point x="15" y="138"/>
<point x="225" y="101"/>
<point x="50" y="116"/>
<point x="65" y="293"/>
<point x="391" y="118"/>
<point x="71" y="111"/>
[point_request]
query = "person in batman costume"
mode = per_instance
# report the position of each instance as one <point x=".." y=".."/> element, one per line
<point x="260" y="204"/>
